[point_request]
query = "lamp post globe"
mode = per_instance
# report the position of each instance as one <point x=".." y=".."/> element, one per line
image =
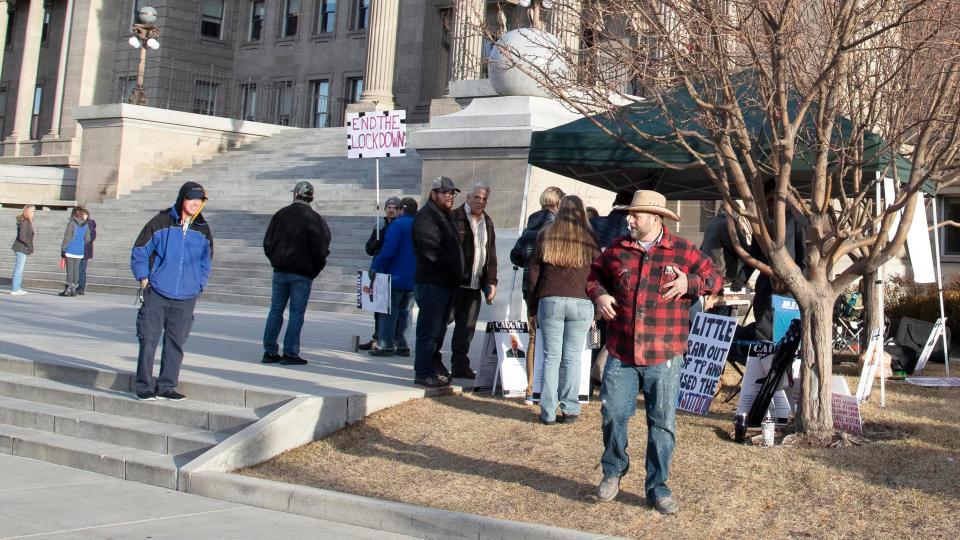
<point x="147" y="14"/>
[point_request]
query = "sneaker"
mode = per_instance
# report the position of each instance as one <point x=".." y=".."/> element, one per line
<point x="442" y="370"/>
<point x="292" y="360"/>
<point x="568" y="418"/>
<point x="18" y="292"/>
<point x="270" y="358"/>
<point x="666" y="505"/>
<point x="528" y="399"/>
<point x="465" y="373"/>
<point x="403" y="351"/>
<point x="367" y="346"/>
<point x="146" y="396"/>
<point x="377" y="351"/>
<point x="432" y="382"/>
<point x="171" y="395"/>
<point x="608" y="488"/>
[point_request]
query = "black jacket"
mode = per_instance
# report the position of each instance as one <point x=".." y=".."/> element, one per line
<point x="24" y="240"/>
<point x="523" y="250"/>
<point x="795" y="240"/>
<point x="718" y="245"/>
<point x="489" y="274"/>
<point x="435" y="242"/>
<point x="297" y="241"/>
<point x="374" y="244"/>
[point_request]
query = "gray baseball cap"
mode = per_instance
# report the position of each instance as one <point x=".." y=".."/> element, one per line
<point x="394" y="201"/>
<point x="443" y="183"/>
<point x="303" y="190"/>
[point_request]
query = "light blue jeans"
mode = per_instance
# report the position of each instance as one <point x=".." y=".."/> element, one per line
<point x="393" y="327"/>
<point x="564" y="323"/>
<point x="17" y="282"/>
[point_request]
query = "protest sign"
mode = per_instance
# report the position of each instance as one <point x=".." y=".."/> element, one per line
<point x="583" y="389"/>
<point x="928" y="347"/>
<point x="375" y="298"/>
<point x="759" y="359"/>
<point x="511" y="338"/>
<point x="487" y="367"/>
<point x="376" y="134"/>
<point x="871" y="361"/>
<point x="846" y="408"/>
<point x="707" y="347"/>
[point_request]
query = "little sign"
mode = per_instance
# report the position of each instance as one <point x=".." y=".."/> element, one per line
<point x="376" y="134"/>
<point x="707" y="348"/>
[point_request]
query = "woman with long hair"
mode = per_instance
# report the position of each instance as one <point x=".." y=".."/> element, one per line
<point x="558" y="277"/>
<point x="75" y="237"/>
<point x="22" y="247"/>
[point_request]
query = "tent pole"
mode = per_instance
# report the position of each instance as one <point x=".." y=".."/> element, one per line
<point x="881" y="274"/>
<point x="939" y="271"/>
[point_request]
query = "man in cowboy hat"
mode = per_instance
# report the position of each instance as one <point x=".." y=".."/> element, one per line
<point x="642" y="286"/>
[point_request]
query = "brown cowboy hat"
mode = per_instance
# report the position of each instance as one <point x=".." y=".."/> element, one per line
<point x="651" y="202"/>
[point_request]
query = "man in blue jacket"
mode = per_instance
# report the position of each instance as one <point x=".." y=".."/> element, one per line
<point x="171" y="259"/>
<point x="397" y="258"/>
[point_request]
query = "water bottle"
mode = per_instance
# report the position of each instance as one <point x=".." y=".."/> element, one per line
<point x="740" y="428"/>
<point x="767" y="430"/>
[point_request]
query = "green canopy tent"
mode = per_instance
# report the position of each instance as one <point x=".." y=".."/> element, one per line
<point x="581" y="150"/>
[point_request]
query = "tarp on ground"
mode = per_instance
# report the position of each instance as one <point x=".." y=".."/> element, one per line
<point x="581" y="150"/>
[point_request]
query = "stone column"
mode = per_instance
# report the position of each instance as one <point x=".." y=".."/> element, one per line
<point x="55" y="119"/>
<point x="566" y="25"/>
<point x="467" y="41"/>
<point x="381" y="57"/>
<point x="28" y="74"/>
<point x="4" y="16"/>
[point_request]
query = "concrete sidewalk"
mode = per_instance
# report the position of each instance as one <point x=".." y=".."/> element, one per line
<point x="98" y="330"/>
<point x="42" y="500"/>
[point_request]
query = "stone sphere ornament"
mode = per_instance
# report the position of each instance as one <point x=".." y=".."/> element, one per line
<point x="532" y="49"/>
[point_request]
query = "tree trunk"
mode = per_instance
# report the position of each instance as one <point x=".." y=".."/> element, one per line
<point x="814" y="413"/>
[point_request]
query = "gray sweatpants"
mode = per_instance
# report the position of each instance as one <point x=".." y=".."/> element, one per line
<point x="73" y="272"/>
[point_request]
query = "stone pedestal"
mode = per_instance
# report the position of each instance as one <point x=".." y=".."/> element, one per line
<point x="489" y="141"/>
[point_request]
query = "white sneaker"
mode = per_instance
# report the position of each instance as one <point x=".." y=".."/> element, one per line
<point x="18" y="292"/>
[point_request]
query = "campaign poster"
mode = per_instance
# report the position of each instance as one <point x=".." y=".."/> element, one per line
<point x="374" y="298"/>
<point x="583" y="391"/>
<point x="707" y="347"/>
<point x="511" y="338"/>
<point x="486" y="369"/>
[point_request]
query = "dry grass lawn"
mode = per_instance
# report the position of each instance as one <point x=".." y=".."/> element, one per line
<point x="489" y="456"/>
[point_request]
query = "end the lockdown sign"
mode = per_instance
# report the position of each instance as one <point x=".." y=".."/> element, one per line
<point x="376" y="134"/>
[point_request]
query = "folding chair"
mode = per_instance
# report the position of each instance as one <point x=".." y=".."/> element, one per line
<point x="848" y="322"/>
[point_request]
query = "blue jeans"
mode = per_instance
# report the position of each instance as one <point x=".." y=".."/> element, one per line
<point x="435" y="304"/>
<point x="296" y="289"/>
<point x="393" y="327"/>
<point x="17" y="282"/>
<point x="564" y="323"/>
<point x="621" y="385"/>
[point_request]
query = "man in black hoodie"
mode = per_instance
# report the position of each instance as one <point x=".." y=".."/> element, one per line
<point x="439" y="270"/>
<point x="298" y="244"/>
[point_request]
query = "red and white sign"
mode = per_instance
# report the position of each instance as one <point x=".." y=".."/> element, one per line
<point x="376" y="134"/>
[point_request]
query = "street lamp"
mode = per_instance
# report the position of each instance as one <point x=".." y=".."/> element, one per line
<point x="144" y="37"/>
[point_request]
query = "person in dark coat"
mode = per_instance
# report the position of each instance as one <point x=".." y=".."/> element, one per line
<point x="297" y="243"/>
<point x="87" y="252"/>
<point x="438" y="274"/>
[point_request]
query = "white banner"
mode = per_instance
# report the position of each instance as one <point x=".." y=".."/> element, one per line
<point x="373" y="297"/>
<point x="918" y="237"/>
<point x="376" y="134"/>
<point x="707" y="347"/>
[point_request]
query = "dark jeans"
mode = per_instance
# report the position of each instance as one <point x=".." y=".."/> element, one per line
<point x="621" y="385"/>
<point x="172" y="318"/>
<point x="295" y="289"/>
<point x="82" y="282"/>
<point x="393" y="326"/>
<point x="466" y="309"/>
<point x="435" y="304"/>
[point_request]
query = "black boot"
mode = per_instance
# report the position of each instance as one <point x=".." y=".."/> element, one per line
<point x="65" y="292"/>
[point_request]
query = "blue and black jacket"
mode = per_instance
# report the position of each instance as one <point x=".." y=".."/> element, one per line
<point x="176" y="261"/>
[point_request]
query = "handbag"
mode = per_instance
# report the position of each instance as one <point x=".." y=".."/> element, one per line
<point x="593" y="336"/>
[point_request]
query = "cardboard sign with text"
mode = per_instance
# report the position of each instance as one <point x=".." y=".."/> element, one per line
<point x="846" y="408"/>
<point x="583" y="390"/>
<point x="707" y="347"/>
<point x="374" y="298"/>
<point x="376" y="134"/>
<point x="759" y="358"/>
<point x="503" y="366"/>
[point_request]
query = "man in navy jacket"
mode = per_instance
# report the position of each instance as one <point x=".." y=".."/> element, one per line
<point x="171" y="259"/>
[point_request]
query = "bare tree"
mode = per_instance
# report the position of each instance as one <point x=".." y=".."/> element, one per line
<point x="824" y="96"/>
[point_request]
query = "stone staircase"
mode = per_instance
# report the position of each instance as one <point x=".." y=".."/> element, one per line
<point x="246" y="187"/>
<point x="86" y="418"/>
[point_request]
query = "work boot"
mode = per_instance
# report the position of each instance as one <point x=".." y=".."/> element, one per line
<point x="666" y="505"/>
<point x="367" y="346"/>
<point x="464" y="373"/>
<point x="608" y="488"/>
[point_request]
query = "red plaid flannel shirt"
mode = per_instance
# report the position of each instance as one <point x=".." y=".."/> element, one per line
<point x="648" y="329"/>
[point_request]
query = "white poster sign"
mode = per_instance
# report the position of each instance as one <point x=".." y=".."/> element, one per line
<point x="375" y="297"/>
<point x="918" y="237"/>
<point x="759" y="360"/>
<point x="583" y="390"/>
<point x="485" y="380"/>
<point x="511" y="338"/>
<point x="707" y="347"/>
<point x="846" y="408"/>
<point x="871" y="362"/>
<point x="376" y="134"/>
<point x="928" y="347"/>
